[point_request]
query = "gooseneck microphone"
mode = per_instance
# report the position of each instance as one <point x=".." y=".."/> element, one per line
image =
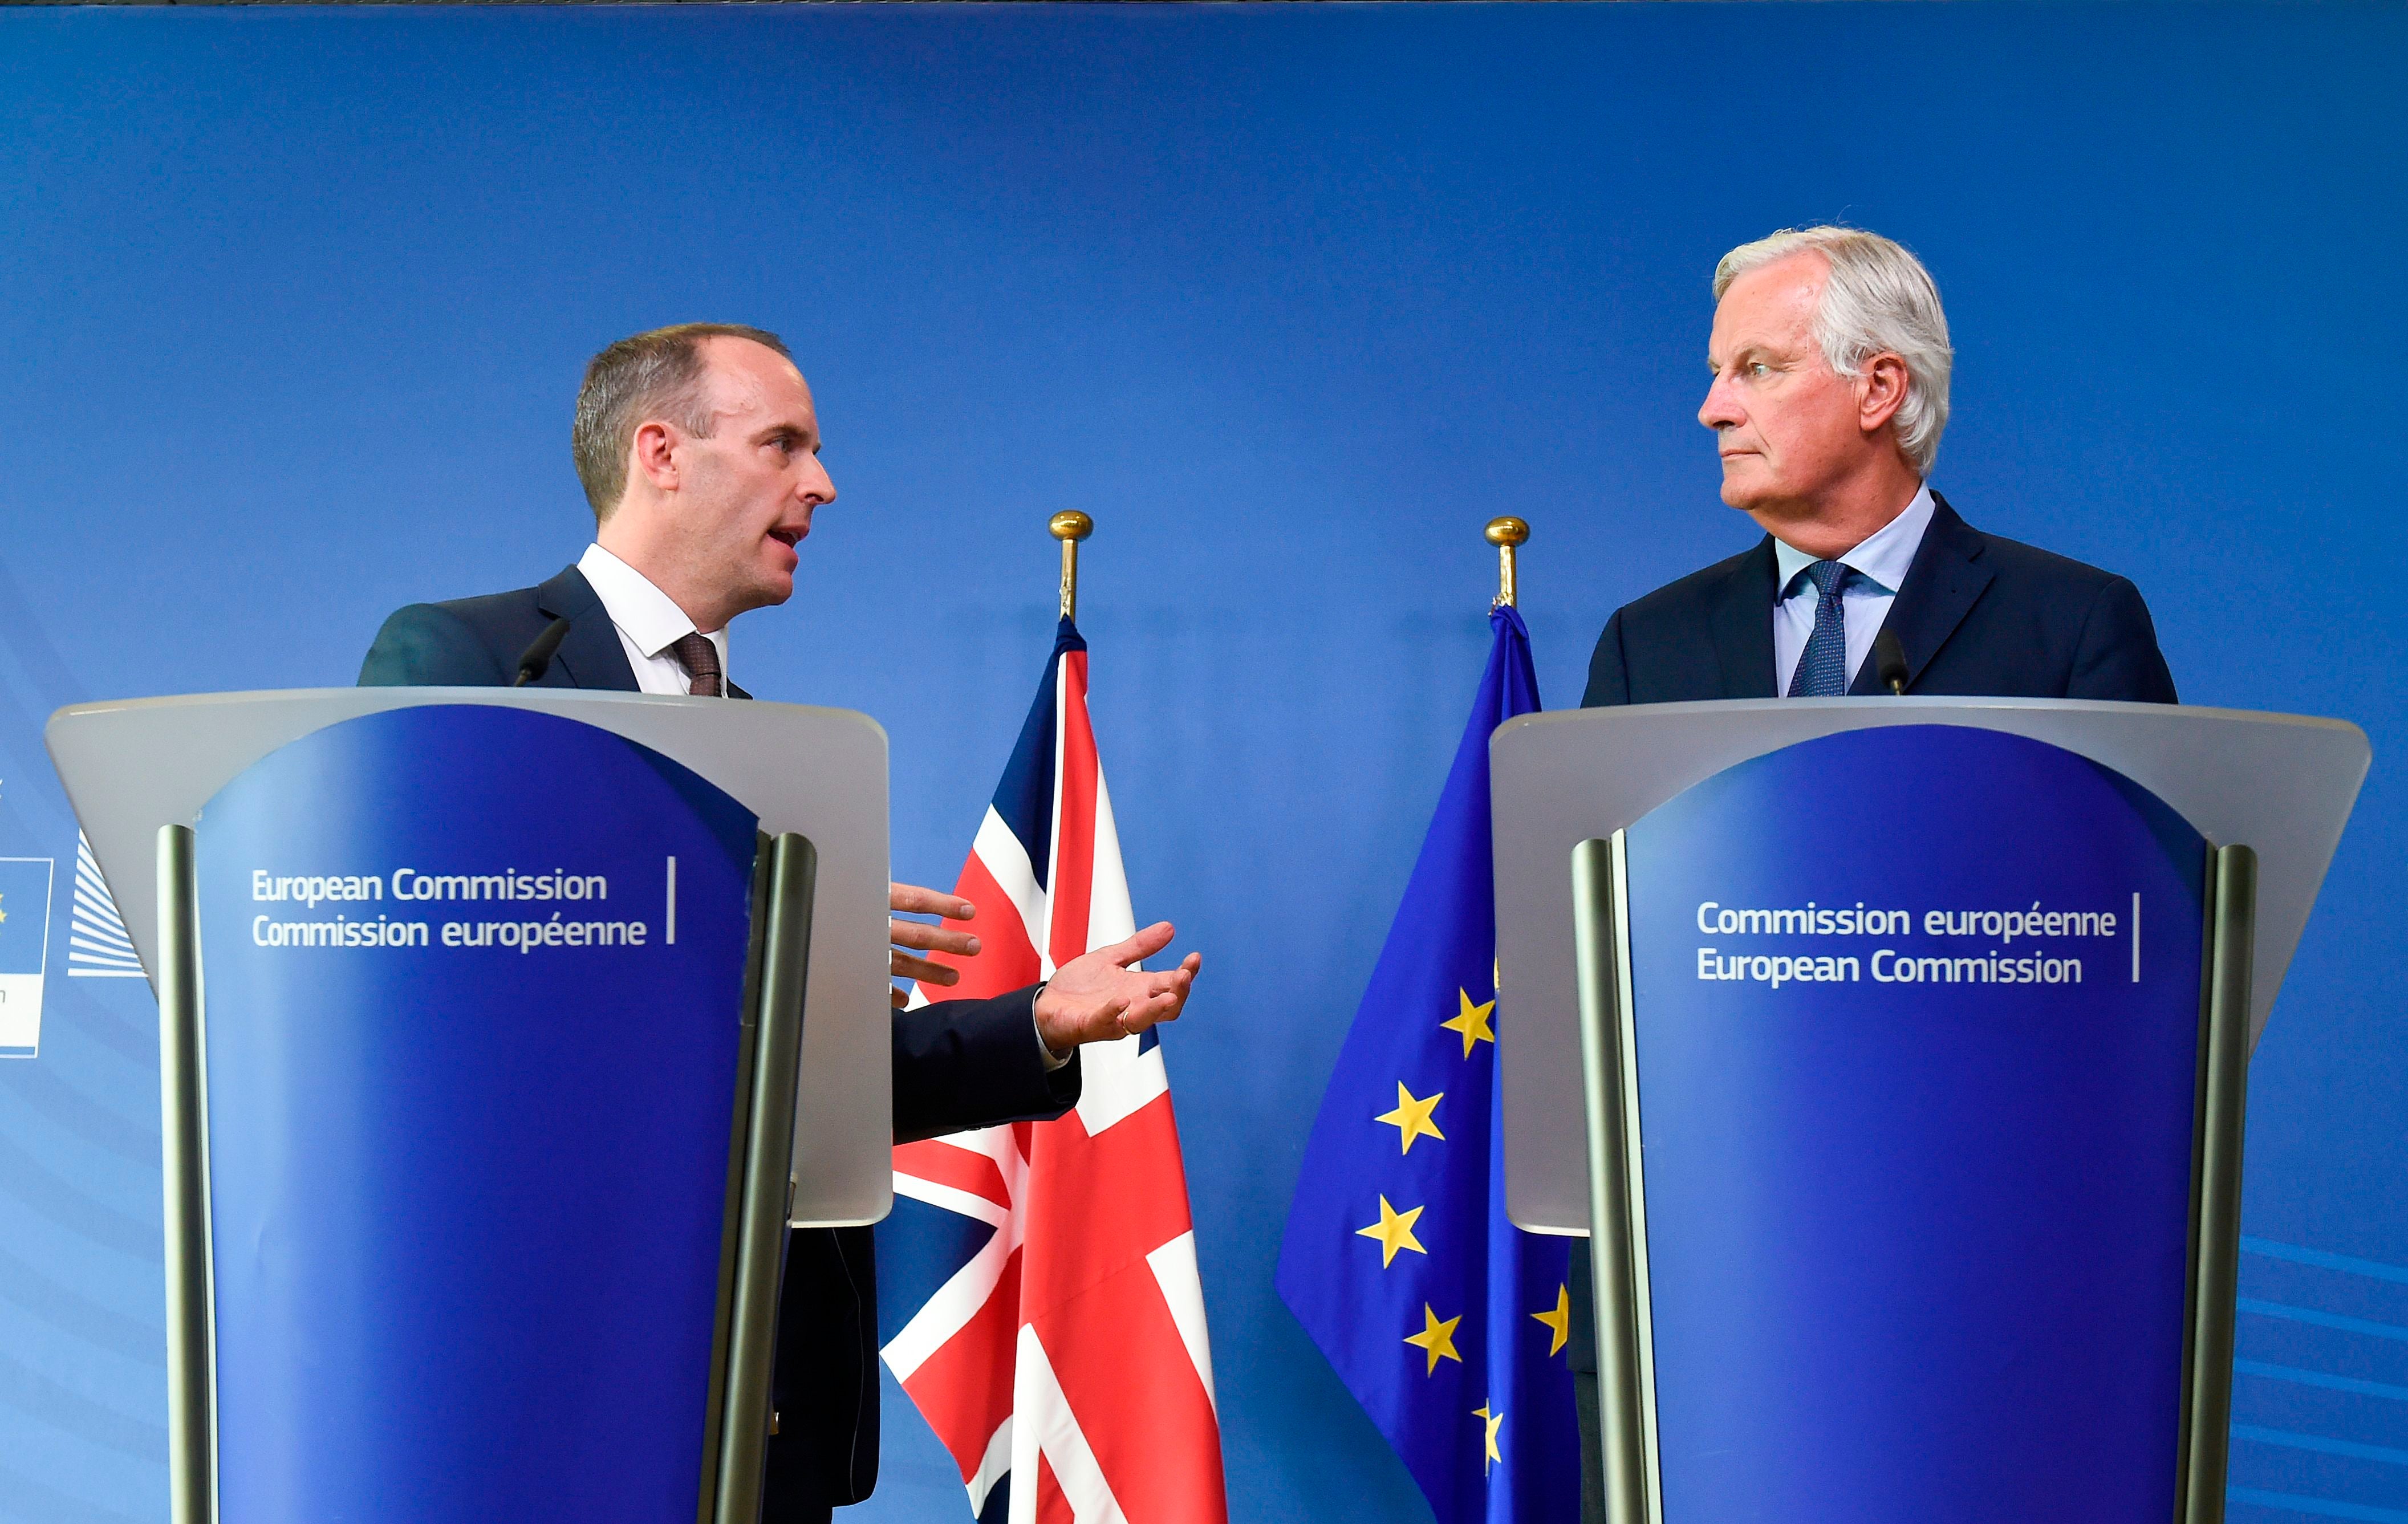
<point x="537" y="659"/>
<point x="1889" y="661"/>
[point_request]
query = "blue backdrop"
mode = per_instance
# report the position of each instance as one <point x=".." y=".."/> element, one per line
<point x="1292" y="300"/>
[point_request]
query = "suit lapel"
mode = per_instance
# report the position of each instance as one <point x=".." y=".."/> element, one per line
<point x="1738" y="617"/>
<point x="591" y="655"/>
<point x="1944" y="581"/>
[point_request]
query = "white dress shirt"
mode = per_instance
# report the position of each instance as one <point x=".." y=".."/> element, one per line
<point x="1880" y="563"/>
<point x="648" y="622"/>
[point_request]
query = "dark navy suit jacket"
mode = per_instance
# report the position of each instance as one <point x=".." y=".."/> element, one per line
<point x="1978" y="614"/>
<point x="958" y="1064"/>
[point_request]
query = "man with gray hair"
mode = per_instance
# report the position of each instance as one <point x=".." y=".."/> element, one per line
<point x="1830" y="360"/>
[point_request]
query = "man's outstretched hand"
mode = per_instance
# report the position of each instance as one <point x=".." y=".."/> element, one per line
<point x="923" y="937"/>
<point x="1097" y="997"/>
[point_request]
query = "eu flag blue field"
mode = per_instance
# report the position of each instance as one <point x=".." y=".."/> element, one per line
<point x="1449" y="1324"/>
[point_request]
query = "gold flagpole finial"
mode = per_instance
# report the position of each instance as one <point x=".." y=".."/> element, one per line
<point x="1069" y="526"/>
<point x="1505" y="533"/>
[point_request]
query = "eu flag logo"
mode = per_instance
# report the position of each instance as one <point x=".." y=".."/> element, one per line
<point x="24" y="948"/>
<point x="1447" y="1322"/>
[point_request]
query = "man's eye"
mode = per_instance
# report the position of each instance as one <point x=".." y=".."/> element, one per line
<point x="1758" y="367"/>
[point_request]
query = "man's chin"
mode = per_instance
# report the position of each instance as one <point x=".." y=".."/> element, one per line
<point x="1742" y="492"/>
<point x="771" y="589"/>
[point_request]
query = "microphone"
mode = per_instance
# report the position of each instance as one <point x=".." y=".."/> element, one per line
<point x="1889" y="661"/>
<point x="537" y="659"/>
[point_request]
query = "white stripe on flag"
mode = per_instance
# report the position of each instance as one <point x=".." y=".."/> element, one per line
<point x="1053" y="844"/>
<point x="1182" y="1289"/>
<point x="956" y="1302"/>
<point x="1110" y="918"/>
<point x="1043" y="1423"/>
<point x="1120" y="1080"/>
<point x="993" y="1467"/>
<point x="951" y="1199"/>
<point x="1006" y="860"/>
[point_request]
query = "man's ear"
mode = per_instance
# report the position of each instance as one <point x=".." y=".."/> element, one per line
<point x="653" y="455"/>
<point x="1881" y="391"/>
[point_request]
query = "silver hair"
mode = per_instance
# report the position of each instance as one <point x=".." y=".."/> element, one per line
<point x="1878" y="299"/>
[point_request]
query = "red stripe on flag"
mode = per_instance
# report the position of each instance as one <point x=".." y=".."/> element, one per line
<point x="1096" y="1203"/>
<point x="1052" y="1503"/>
<point x="1073" y="887"/>
<point x="964" y="1387"/>
<point x="942" y="1164"/>
<point x="1006" y="959"/>
<point x="1118" y="1356"/>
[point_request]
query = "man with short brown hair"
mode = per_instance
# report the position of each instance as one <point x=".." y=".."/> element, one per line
<point x="699" y="447"/>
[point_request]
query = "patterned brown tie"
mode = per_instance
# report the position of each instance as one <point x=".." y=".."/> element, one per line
<point x="700" y="658"/>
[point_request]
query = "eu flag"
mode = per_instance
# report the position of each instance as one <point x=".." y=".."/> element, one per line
<point x="1450" y="1325"/>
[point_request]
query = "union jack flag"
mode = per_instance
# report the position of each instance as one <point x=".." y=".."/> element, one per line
<point x="1048" y="1319"/>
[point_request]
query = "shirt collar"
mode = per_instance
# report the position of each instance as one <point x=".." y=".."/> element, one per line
<point x="643" y="613"/>
<point x="1881" y="560"/>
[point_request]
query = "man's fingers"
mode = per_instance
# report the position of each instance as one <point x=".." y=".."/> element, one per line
<point x="1145" y="943"/>
<point x="911" y="899"/>
<point x="1175" y="982"/>
<point x="928" y="938"/>
<point x="1151" y="1011"/>
<point x="896" y="998"/>
<point x="902" y="965"/>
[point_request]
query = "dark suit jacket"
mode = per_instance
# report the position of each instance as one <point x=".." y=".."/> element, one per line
<point x="1978" y="614"/>
<point x="958" y="1064"/>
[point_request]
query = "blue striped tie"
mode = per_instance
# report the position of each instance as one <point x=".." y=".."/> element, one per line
<point x="1823" y="666"/>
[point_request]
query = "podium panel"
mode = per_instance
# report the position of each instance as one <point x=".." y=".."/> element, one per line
<point x="1916" y="1075"/>
<point x="474" y="978"/>
<point x="1894" y="1054"/>
<point x="132" y="765"/>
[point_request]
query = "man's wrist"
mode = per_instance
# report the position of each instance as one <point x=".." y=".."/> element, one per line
<point x="1045" y="1053"/>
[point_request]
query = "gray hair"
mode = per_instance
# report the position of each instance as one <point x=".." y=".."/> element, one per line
<point x="1879" y="298"/>
<point x="651" y="375"/>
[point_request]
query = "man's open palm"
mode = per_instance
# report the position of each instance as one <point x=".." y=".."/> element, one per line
<point x="1097" y="997"/>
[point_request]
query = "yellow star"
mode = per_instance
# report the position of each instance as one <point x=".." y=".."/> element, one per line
<point x="1473" y="1022"/>
<point x="1437" y="1338"/>
<point x="1559" y="1322"/>
<point x="1411" y="1118"/>
<point x="1495" y="1422"/>
<point x="1395" y="1230"/>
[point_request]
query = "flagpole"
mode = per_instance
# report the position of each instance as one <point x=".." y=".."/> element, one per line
<point x="1504" y="533"/>
<point x="1071" y="526"/>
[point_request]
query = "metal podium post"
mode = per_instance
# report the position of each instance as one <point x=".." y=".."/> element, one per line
<point x="2216" y="1183"/>
<point x="1617" y="1201"/>
<point x="761" y="1178"/>
<point x="184" y="1133"/>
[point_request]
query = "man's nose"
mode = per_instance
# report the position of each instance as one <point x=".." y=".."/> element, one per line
<point x="816" y="487"/>
<point x="1719" y="411"/>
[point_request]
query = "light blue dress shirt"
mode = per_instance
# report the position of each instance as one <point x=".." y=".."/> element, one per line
<point x="1880" y="563"/>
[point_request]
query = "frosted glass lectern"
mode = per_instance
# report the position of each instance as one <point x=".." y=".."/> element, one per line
<point x="487" y="1081"/>
<point x="1893" y="1053"/>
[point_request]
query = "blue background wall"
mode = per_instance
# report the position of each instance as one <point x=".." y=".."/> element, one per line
<point x="1292" y="300"/>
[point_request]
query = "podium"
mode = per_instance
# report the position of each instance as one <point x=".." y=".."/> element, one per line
<point x="1893" y="1054"/>
<point x="487" y="1089"/>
